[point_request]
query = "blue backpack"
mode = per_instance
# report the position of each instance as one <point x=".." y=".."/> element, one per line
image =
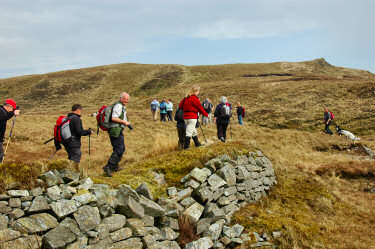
<point x="163" y="106"/>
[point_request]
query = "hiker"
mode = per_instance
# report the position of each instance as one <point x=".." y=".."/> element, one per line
<point x="240" y="113"/>
<point x="207" y="106"/>
<point x="169" y="109"/>
<point x="181" y="128"/>
<point x="221" y="118"/>
<point x="327" y="121"/>
<point x="163" y="111"/>
<point x="116" y="136"/>
<point x="154" y="108"/>
<point x="191" y="106"/>
<point x="7" y="111"/>
<point x="73" y="146"/>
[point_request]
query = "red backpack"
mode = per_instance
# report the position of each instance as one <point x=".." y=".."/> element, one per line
<point x="62" y="131"/>
<point x="243" y="112"/>
<point x="332" y="116"/>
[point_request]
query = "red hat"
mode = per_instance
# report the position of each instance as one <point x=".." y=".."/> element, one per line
<point x="11" y="102"/>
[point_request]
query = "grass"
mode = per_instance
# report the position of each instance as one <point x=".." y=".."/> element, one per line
<point x="319" y="201"/>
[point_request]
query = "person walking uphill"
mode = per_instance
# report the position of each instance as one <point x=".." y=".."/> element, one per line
<point x="169" y="109"/>
<point x="222" y="115"/>
<point x="154" y="109"/>
<point x="240" y="113"/>
<point x="7" y="111"/>
<point x="327" y="121"/>
<point x="191" y="106"/>
<point x="163" y="111"/>
<point x="119" y="121"/>
<point x="73" y="146"/>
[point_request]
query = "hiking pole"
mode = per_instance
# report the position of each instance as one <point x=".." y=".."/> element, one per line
<point x="10" y="135"/>
<point x="230" y="128"/>
<point x="203" y="133"/>
<point x="52" y="155"/>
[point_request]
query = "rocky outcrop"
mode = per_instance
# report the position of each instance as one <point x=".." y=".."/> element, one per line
<point x="76" y="213"/>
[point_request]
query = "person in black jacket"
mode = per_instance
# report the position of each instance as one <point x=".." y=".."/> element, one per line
<point x="73" y="147"/>
<point x="222" y="119"/>
<point x="7" y="111"/>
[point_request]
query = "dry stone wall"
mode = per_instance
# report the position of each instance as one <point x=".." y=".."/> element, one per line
<point x="76" y="213"/>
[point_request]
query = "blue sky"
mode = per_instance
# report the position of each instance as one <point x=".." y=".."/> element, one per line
<point x="41" y="36"/>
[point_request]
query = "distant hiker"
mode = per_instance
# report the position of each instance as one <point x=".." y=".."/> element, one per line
<point x="116" y="136"/>
<point x="328" y="116"/>
<point x="169" y="109"/>
<point x="207" y="106"/>
<point x="222" y="116"/>
<point x="7" y="111"/>
<point x="73" y="146"/>
<point x="163" y="111"/>
<point x="154" y="109"/>
<point x="210" y="114"/>
<point x="181" y="128"/>
<point x="240" y="113"/>
<point x="191" y="106"/>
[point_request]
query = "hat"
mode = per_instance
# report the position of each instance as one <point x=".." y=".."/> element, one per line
<point x="11" y="102"/>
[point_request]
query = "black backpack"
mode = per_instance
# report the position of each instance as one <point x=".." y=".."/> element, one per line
<point x="207" y="106"/>
<point x="180" y="112"/>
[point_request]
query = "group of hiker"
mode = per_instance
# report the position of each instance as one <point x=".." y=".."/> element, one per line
<point x="165" y="107"/>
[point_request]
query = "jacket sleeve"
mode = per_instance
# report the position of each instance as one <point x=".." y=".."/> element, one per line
<point x="217" y="109"/>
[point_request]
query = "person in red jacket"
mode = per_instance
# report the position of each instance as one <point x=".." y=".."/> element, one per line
<point x="191" y="106"/>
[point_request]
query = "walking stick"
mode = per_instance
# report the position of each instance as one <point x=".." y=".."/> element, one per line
<point x="230" y="127"/>
<point x="10" y="135"/>
<point x="52" y="155"/>
<point x="203" y="134"/>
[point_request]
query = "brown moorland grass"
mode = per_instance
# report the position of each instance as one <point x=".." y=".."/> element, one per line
<point x="324" y="210"/>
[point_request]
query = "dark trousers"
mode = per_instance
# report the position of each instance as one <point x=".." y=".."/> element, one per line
<point x="163" y="117"/>
<point x="181" y="131"/>
<point x="1" y="151"/>
<point x="169" y="114"/>
<point x="73" y="148"/>
<point x="222" y="130"/>
<point x="118" y="146"/>
<point x="327" y="129"/>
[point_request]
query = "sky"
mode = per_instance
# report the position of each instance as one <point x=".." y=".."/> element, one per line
<point x="42" y="36"/>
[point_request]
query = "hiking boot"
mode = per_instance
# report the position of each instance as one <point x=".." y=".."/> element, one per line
<point x="187" y="143"/>
<point x="196" y="142"/>
<point x="222" y="139"/>
<point x="107" y="171"/>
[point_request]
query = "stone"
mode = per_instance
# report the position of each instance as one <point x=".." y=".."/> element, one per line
<point x="368" y="151"/>
<point x="58" y="237"/>
<point x="192" y="184"/>
<point x="171" y="191"/>
<point x="103" y="231"/>
<point x="202" y="243"/>
<point x="54" y="193"/>
<point x="145" y="191"/>
<point x="3" y="222"/>
<point x="159" y="178"/>
<point x="105" y="211"/>
<point x="151" y="208"/>
<point x="148" y="241"/>
<point x="182" y="194"/>
<point x="4" y="197"/>
<point x="132" y="243"/>
<point x="242" y="173"/>
<point x="63" y="208"/>
<point x="35" y="223"/>
<point x="207" y="171"/>
<point x="137" y="227"/>
<point x="80" y="243"/>
<point x="276" y="234"/>
<point x="230" y="191"/>
<point x="202" y="195"/>
<point x="29" y="242"/>
<point x="216" y="182"/>
<point x="234" y="232"/>
<point x="122" y="234"/>
<point x="39" y="205"/>
<point x="148" y="220"/>
<point x="165" y="221"/>
<point x="16" y="213"/>
<point x="217" y="194"/>
<point x="218" y="245"/>
<point x="225" y="240"/>
<point x="165" y="245"/>
<point x="85" y="198"/>
<point x="168" y="234"/>
<point x="114" y="222"/>
<point x="155" y="232"/>
<point x="214" y="212"/>
<point x="175" y="213"/>
<point x="14" y="202"/>
<point x="125" y="191"/>
<point x="105" y="243"/>
<point x="104" y="195"/>
<point x="187" y="202"/>
<point x="203" y="225"/>
<point x="8" y="234"/>
<point x="69" y="176"/>
<point x="224" y="200"/>
<point x="194" y="212"/>
<point x="25" y="204"/>
<point x="18" y="193"/>
<point x="26" y="198"/>
<point x="87" y="217"/>
<point x="130" y="208"/>
<point x="245" y="237"/>
<point x="85" y="184"/>
<point x="215" y="229"/>
<point x="228" y="174"/>
<point x="198" y="175"/>
<point x="50" y="179"/>
<point x="70" y="224"/>
<point x="5" y="209"/>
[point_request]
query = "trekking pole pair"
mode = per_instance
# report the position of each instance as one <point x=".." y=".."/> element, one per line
<point x="10" y="135"/>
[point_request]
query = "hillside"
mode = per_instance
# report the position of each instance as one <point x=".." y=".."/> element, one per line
<point x="322" y="199"/>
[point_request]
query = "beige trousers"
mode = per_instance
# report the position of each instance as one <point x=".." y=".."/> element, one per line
<point x="191" y="131"/>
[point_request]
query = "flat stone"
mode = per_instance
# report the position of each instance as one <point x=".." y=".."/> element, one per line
<point x="68" y="175"/>
<point x="243" y="173"/>
<point x="80" y="243"/>
<point x="168" y="234"/>
<point x="125" y="191"/>
<point x="151" y="208"/>
<point x="148" y="220"/>
<point x="155" y="232"/>
<point x="87" y="218"/>
<point x="29" y="242"/>
<point x="54" y="193"/>
<point x="3" y="222"/>
<point x="122" y="234"/>
<point x="39" y="205"/>
<point x="114" y="222"/>
<point x="58" y="237"/>
<point x="234" y="232"/>
<point x="214" y="231"/>
<point x="187" y="202"/>
<point x="105" y="243"/>
<point x="63" y="208"/>
<point x="85" y="184"/>
<point x="165" y="245"/>
<point x="145" y="191"/>
<point x="8" y="234"/>
<point x="4" y="197"/>
<point x="35" y="223"/>
<point x="85" y="198"/>
<point x="171" y="191"/>
<point x="50" y="179"/>
<point x="14" y="202"/>
<point x="228" y="174"/>
<point x="202" y="243"/>
<point x="71" y="224"/>
<point x="198" y="175"/>
<point x="203" y="225"/>
<point x="194" y="212"/>
<point x="192" y="184"/>
<point x="18" y="193"/>
<point x="137" y="227"/>
<point x="148" y="241"/>
<point x="16" y="213"/>
<point x="216" y="182"/>
<point x="104" y="195"/>
<point x="105" y="211"/>
<point x="132" y="243"/>
<point x="165" y="221"/>
<point x="103" y="231"/>
<point x="202" y="195"/>
<point x="130" y="208"/>
<point x="183" y="194"/>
